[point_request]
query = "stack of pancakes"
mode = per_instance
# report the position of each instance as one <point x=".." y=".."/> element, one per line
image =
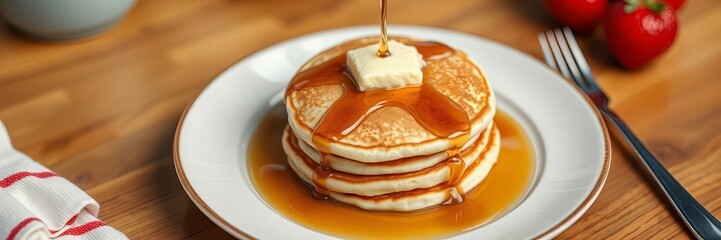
<point x="389" y="161"/>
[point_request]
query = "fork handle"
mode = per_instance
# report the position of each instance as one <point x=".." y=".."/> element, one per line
<point x="702" y="224"/>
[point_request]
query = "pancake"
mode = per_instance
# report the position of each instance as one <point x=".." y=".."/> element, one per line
<point x="392" y="133"/>
<point x="418" y="198"/>
<point x="400" y="149"/>
<point x="366" y="185"/>
<point x="403" y="165"/>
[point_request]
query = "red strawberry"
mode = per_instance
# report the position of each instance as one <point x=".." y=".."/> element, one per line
<point x="580" y="15"/>
<point x="637" y="31"/>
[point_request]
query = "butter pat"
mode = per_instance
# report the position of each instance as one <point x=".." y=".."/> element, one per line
<point x="401" y="69"/>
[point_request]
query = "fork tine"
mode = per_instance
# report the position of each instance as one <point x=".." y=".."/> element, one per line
<point x="580" y="59"/>
<point x="563" y="45"/>
<point x="560" y="63"/>
<point x="546" y="50"/>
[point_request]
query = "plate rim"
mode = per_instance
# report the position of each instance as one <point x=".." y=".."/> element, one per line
<point x="550" y="233"/>
<point x="600" y="182"/>
<point x="194" y="197"/>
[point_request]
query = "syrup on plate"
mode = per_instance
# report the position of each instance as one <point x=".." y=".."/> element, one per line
<point x="279" y="186"/>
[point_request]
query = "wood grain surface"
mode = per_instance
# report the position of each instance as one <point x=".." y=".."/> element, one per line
<point x="102" y="111"/>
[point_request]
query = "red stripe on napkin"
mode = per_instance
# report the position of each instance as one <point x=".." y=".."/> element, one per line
<point x="6" y="182"/>
<point x="82" y="229"/>
<point x="70" y="222"/>
<point x="20" y="226"/>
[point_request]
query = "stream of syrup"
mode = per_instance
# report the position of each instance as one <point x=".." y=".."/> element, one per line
<point x="282" y="190"/>
<point x="383" y="44"/>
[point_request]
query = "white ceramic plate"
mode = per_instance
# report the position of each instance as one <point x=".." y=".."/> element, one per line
<point x="570" y="140"/>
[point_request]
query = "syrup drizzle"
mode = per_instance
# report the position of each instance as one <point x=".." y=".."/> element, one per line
<point x="433" y="110"/>
<point x="383" y="44"/>
<point x="350" y="177"/>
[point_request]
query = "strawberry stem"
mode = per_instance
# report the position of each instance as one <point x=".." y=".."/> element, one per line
<point x="631" y="5"/>
<point x="653" y="5"/>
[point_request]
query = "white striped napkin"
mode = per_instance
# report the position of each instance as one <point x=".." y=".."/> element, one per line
<point x="36" y="203"/>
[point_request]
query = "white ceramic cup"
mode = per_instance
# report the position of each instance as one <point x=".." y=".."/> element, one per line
<point x="63" y="19"/>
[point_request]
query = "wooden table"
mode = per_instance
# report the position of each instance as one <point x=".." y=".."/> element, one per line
<point x="102" y="112"/>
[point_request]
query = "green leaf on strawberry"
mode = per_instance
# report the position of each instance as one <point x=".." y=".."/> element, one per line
<point x="653" y="5"/>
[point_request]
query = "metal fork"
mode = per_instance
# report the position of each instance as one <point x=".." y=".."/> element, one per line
<point x="562" y="52"/>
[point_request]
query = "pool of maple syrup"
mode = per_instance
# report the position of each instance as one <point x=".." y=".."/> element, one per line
<point x="279" y="186"/>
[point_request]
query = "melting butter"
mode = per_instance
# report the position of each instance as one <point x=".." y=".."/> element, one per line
<point x="401" y="69"/>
